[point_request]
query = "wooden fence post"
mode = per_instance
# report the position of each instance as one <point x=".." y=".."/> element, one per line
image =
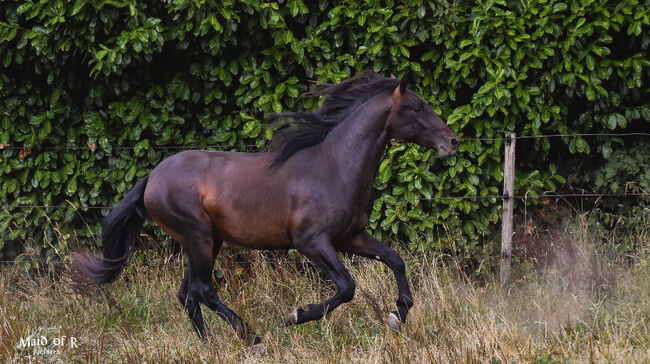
<point x="508" y="206"/>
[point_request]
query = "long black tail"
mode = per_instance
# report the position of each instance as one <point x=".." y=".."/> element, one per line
<point x="119" y="234"/>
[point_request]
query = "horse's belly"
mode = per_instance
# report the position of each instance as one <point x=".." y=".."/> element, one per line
<point x="255" y="232"/>
<point x="250" y="221"/>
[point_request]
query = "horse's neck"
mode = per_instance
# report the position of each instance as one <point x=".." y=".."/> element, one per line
<point x="359" y="142"/>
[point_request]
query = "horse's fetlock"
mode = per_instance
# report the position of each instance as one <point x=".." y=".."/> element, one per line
<point x="406" y="302"/>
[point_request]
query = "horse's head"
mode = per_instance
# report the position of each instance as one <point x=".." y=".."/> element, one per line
<point x="412" y="119"/>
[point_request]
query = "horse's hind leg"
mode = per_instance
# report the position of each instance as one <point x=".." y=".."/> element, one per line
<point x="207" y="291"/>
<point x="365" y="245"/>
<point x="192" y="305"/>
<point x="197" y="286"/>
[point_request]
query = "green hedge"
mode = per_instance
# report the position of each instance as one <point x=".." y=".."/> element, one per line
<point x="120" y="78"/>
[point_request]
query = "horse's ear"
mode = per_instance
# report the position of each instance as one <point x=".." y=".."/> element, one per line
<point x="392" y="77"/>
<point x="403" y="84"/>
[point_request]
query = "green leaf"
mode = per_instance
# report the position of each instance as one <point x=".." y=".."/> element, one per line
<point x="384" y="175"/>
<point x="288" y="37"/>
<point x="292" y="91"/>
<point x="611" y="121"/>
<point x="37" y="119"/>
<point x="130" y="173"/>
<point x="558" y="7"/>
<point x="279" y="89"/>
<point x="422" y="11"/>
<point x="78" y="6"/>
<point x="377" y="47"/>
<point x="473" y="179"/>
<point x="607" y="151"/>
<point x="591" y="63"/>
<point x="71" y="186"/>
<point x="250" y="126"/>
<point x="141" y="147"/>
<point x="465" y="42"/>
<point x="7" y="58"/>
<point x="620" y="120"/>
<point x="277" y="107"/>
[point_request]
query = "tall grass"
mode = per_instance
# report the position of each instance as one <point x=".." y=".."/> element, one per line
<point x="584" y="309"/>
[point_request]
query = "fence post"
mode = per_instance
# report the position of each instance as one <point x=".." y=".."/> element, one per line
<point x="508" y="206"/>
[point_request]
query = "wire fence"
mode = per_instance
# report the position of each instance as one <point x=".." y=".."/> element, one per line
<point x="549" y="195"/>
<point x="390" y="199"/>
<point x="94" y="146"/>
<point x="438" y="198"/>
<point x="546" y="136"/>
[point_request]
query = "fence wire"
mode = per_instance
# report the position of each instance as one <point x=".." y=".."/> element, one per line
<point x="93" y="147"/>
<point x="390" y="199"/>
<point x="387" y="199"/>
<point x="546" y="136"/>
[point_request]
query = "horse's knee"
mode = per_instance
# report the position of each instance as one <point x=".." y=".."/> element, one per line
<point x="187" y="301"/>
<point x="188" y="297"/>
<point x="182" y="296"/>
<point x="206" y="292"/>
<point x="399" y="265"/>
<point x="394" y="261"/>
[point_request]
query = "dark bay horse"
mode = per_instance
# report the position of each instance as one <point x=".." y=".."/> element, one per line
<point x="312" y="191"/>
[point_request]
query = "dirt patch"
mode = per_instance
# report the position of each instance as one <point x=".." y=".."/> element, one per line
<point x="550" y="246"/>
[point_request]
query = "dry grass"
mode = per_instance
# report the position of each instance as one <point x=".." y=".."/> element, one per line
<point x="542" y="316"/>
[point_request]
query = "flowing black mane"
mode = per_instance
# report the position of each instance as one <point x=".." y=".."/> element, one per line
<point x="341" y="99"/>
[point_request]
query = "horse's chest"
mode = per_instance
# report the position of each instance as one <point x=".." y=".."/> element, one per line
<point x="340" y="209"/>
<point x="361" y="213"/>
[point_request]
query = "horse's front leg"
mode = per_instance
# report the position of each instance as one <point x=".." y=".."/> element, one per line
<point x="320" y="251"/>
<point x="365" y="245"/>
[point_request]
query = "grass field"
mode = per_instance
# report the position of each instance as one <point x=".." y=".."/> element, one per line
<point x="588" y="309"/>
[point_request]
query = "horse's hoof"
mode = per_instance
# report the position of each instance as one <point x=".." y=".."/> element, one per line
<point x="259" y="349"/>
<point x="292" y="319"/>
<point x="394" y="323"/>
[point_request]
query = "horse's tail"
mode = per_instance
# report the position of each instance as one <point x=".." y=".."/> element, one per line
<point x="119" y="234"/>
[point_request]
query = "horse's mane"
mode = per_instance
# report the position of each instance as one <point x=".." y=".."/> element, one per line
<point x="341" y="99"/>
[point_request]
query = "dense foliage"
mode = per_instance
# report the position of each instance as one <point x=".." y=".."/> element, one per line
<point x="91" y="90"/>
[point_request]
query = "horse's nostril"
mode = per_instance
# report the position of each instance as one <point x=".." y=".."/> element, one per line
<point x="455" y="142"/>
